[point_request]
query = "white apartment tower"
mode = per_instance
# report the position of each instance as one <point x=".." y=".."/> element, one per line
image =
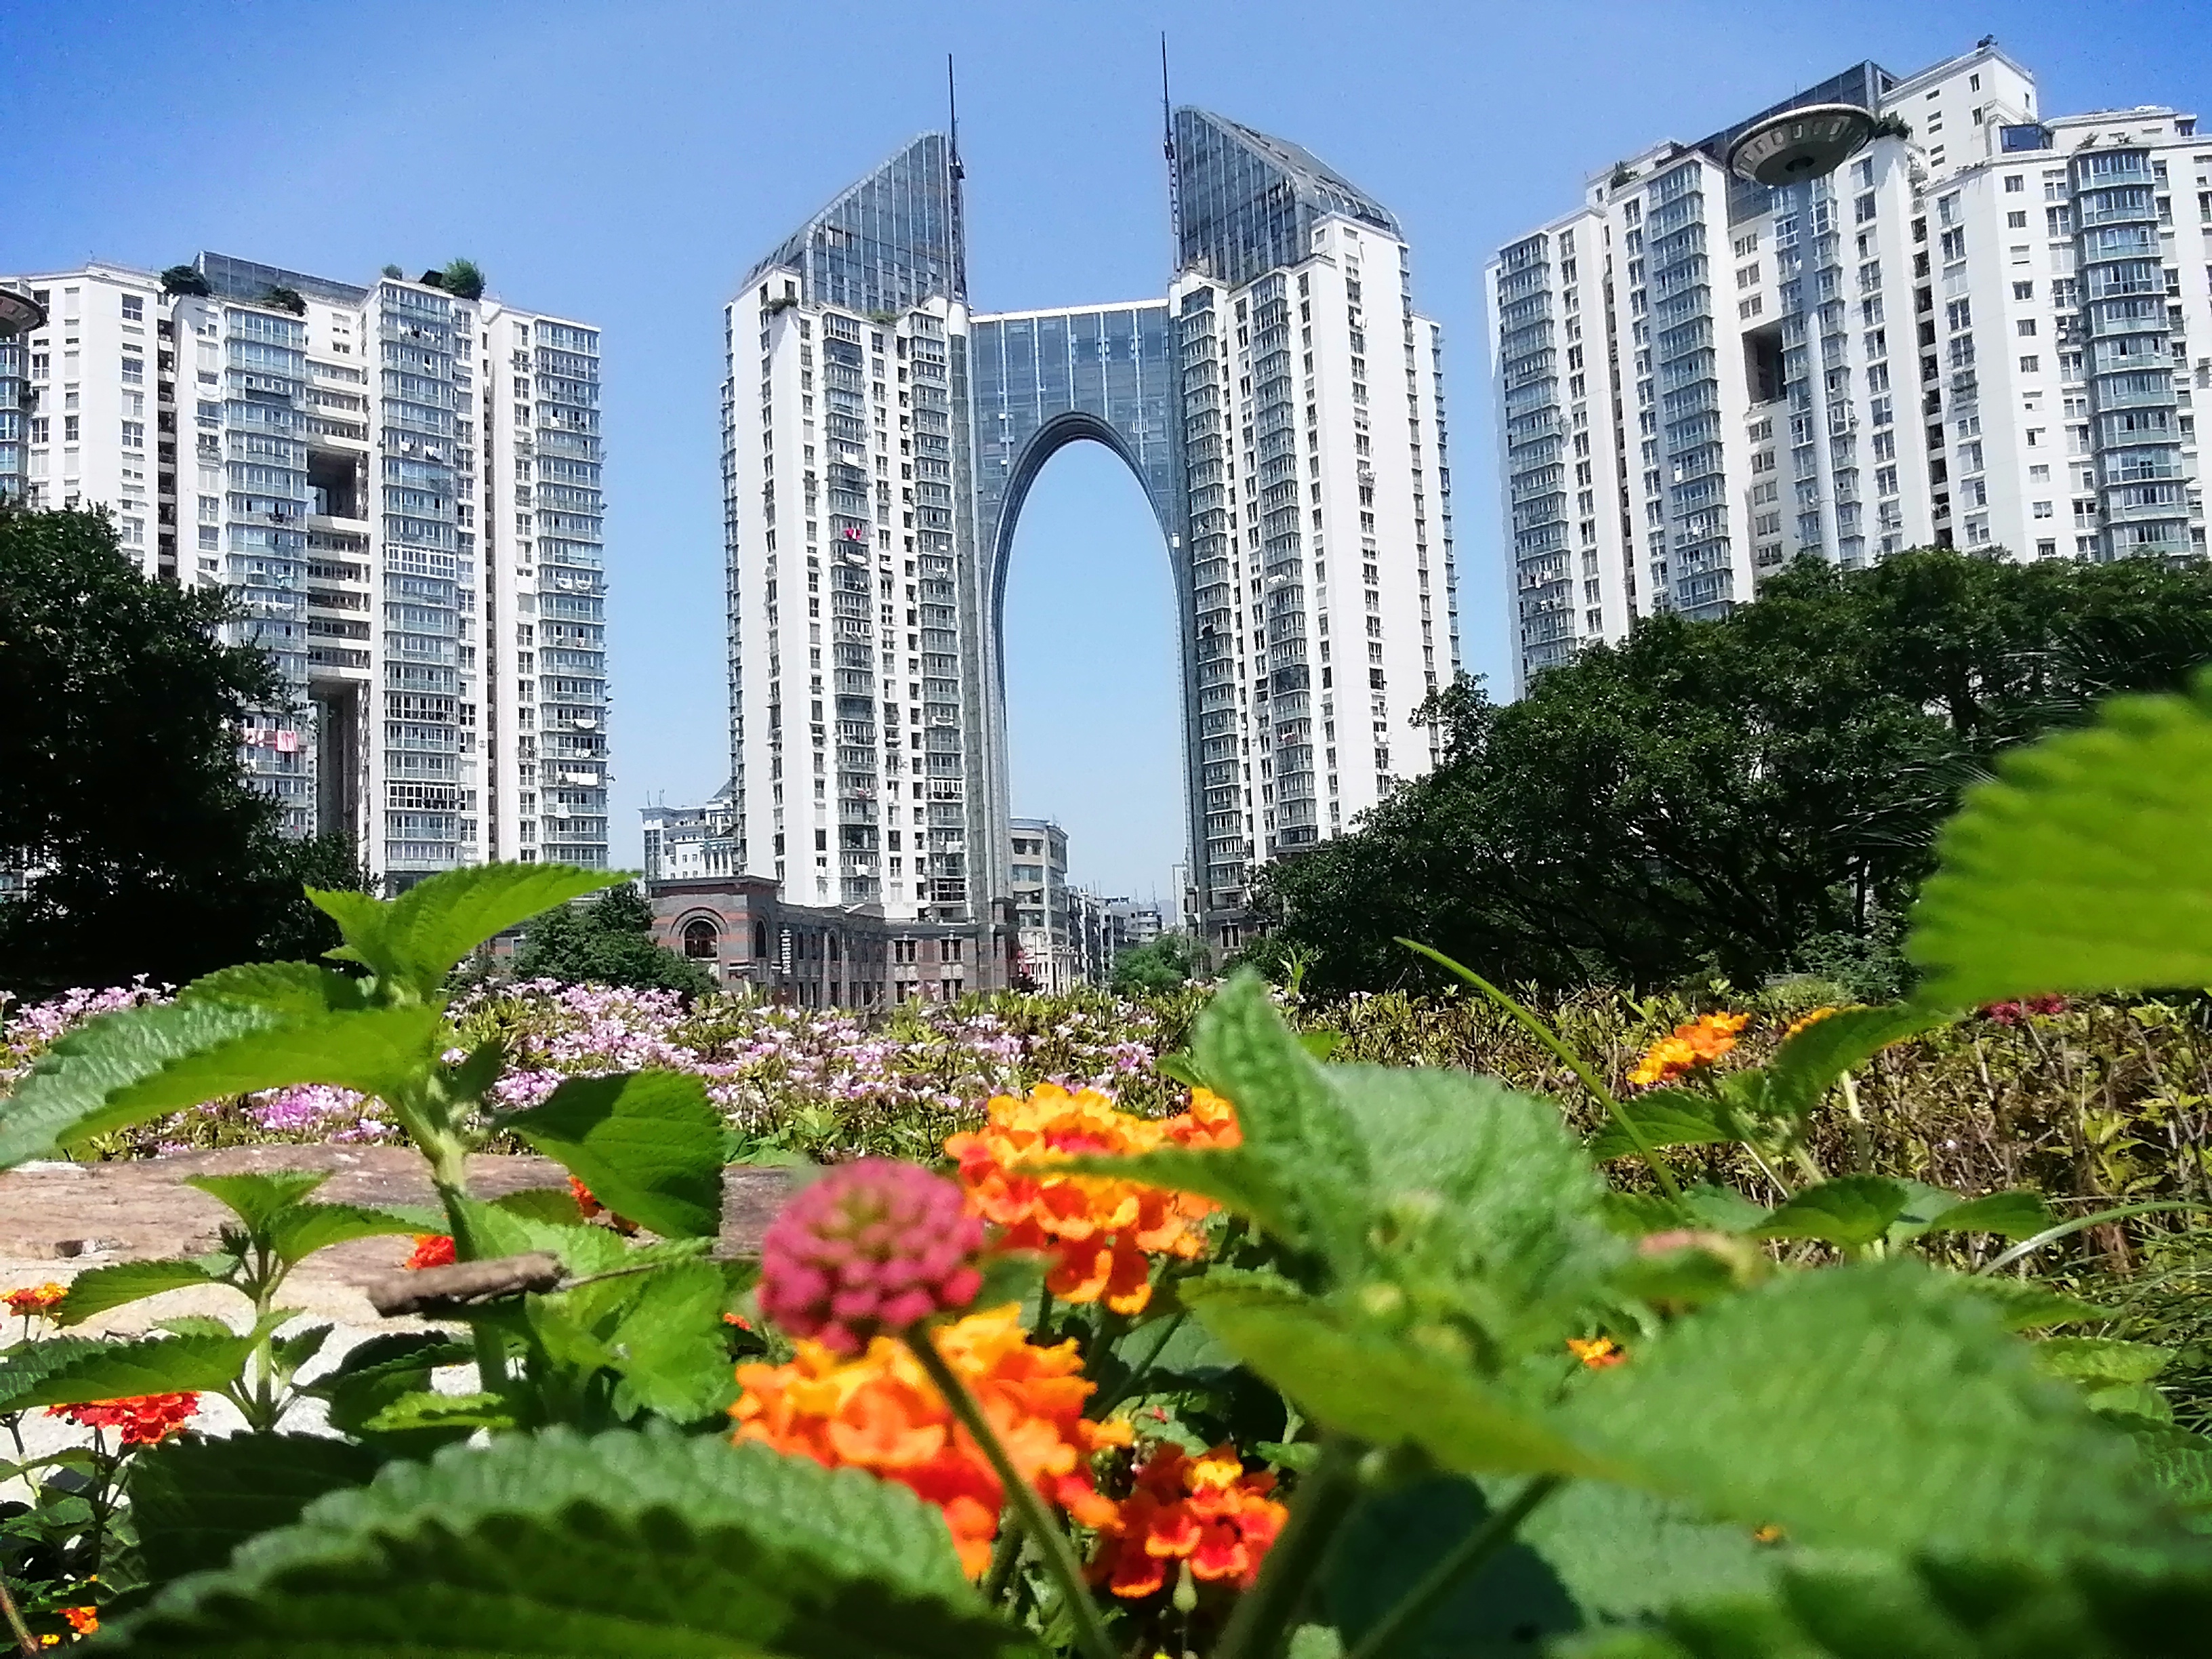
<point x="1282" y="408"/>
<point x="401" y="486"/>
<point x="1977" y="332"/>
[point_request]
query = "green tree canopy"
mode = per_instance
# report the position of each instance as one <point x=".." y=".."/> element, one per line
<point x="1744" y="797"/>
<point x="141" y="846"/>
<point x="606" y="941"/>
<point x="1158" y="965"/>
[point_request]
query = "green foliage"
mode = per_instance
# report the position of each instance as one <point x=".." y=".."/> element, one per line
<point x="648" y="1144"/>
<point x="195" y="1501"/>
<point x="146" y="851"/>
<point x="185" y="279"/>
<point x="1743" y="798"/>
<point x="462" y="279"/>
<point x="1158" y="966"/>
<point x="560" y="1546"/>
<point x="419" y="937"/>
<point x="607" y="942"/>
<point x="167" y="1364"/>
<point x="2085" y="866"/>
<point x="99" y="1290"/>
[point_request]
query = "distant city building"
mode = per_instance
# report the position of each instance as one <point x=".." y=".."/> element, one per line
<point x="1282" y="408"/>
<point x="1132" y="924"/>
<point x="688" y="843"/>
<point x="1975" y="333"/>
<point x="1049" y="914"/>
<point x="402" y="488"/>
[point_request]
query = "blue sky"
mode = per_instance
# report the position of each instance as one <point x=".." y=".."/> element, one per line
<point x="625" y="164"/>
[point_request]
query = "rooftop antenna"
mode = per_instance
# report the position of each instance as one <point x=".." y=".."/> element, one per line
<point x="1167" y="144"/>
<point x="952" y="111"/>
<point x="954" y="173"/>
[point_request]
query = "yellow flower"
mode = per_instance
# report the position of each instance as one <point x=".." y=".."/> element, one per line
<point x="1596" y="1352"/>
<point x="1692" y="1046"/>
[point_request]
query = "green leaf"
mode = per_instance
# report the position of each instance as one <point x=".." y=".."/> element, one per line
<point x="65" y="1097"/>
<point x="1321" y="1044"/>
<point x="1852" y="1211"/>
<point x="2084" y="867"/>
<point x="1295" y="1130"/>
<point x="97" y="1289"/>
<point x="568" y="1548"/>
<point x="1873" y="1405"/>
<point x="428" y="1409"/>
<point x="2026" y="1304"/>
<point x="583" y="1249"/>
<point x="302" y="1231"/>
<point x="256" y="1197"/>
<point x="648" y="1144"/>
<point x="1383" y="1387"/>
<point x="1806" y="1066"/>
<point x="26" y="1366"/>
<point x="1483" y="1198"/>
<point x="168" y="1365"/>
<point x="2100" y="1358"/>
<point x="556" y="1205"/>
<point x="1179" y="1068"/>
<point x="1231" y="1177"/>
<point x="417" y="938"/>
<point x="283" y="987"/>
<point x="2179" y="1464"/>
<point x="1594" y="1553"/>
<point x="380" y="1370"/>
<point x="2021" y="1214"/>
<point x="195" y="1500"/>
<point x="1667" y="1117"/>
<point x="1721" y="1208"/>
<point x="376" y="1052"/>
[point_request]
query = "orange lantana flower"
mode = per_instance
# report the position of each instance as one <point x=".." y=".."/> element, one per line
<point x="1205" y="1511"/>
<point x="1690" y="1048"/>
<point x="1098" y="1231"/>
<point x="1596" y="1352"/>
<point x="881" y="1413"/>
<point x="34" y="1300"/>
<point x="431" y="1250"/>
<point x="85" y="1621"/>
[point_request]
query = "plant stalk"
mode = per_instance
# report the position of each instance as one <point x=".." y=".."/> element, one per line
<point x="1324" y="1498"/>
<point x="1467" y="1558"/>
<point x="1106" y="1402"/>
<point x="1660" y="1171"/>
<point x="2051" y="1235"/>
<point x="1036" y="1520"/>
<point x="25" y="1644"/>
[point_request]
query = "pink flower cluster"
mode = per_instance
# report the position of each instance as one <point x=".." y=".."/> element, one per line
<point x="873" y="1247"/>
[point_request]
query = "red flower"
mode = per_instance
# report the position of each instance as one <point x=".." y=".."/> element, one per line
<point x="591" y="1206"/>
<point x="145" y="1420"/>
<point x="431" y="1250"/>
<point x="1205" y="1511"/>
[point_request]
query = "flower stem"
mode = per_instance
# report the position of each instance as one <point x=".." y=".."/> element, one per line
<point x="1467" y="1558"/>
<point x="25" y="1644"/>
<point x="1036" y="1520"/>
<point x="1660" y="1171"/>
<point x="1142" y="1369"/>
<point x="1324" y="1498"/>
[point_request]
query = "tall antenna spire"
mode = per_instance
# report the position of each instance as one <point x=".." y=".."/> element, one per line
<point x="952" y="114"/>
<point x="1167" y="144"/>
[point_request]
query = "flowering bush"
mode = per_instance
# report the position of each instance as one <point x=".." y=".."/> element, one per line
<point x="1419" y="1365"/>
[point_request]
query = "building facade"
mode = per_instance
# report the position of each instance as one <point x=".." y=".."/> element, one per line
<point x="1976" y="333"/>
<point x="1282" y="408"/>
<point x="690" y="843"/>
<point x="402" y="488"/>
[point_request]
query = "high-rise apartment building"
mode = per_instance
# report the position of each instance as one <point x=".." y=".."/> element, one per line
<point x="1282" y="408"/>
<point x="401" y="486"/>
<point x="1984" y="330"/>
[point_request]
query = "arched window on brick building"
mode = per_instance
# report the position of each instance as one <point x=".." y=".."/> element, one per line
<point x="701" y="939"/>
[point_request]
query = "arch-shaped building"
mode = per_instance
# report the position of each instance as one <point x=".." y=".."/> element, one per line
<point x="1282" y="407"/>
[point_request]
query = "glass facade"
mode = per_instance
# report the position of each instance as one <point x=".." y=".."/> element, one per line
<point x="889" y="242"/>
<point x="1246" y="203"/>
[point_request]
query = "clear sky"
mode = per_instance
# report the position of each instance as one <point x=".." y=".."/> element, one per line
<point x="625" y="164"/>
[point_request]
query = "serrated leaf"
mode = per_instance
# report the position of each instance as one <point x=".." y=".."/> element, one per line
<point x="668" y="1346"/>
<point x="565" y="1548"/>
<point x="417" y="938"/>
<point x="28" y="1365"/>
<point x="195" y="1500"/>
<point x="1179" y="1068"/>
<point x="193" y="1325"/>
<point x="1876" y="1405"/>
<point x="2100" y="1358"/>
<point x="2085" y="865"/>
<point x="1666" y="1117"/>
<point x="296" y="1349"/>
<point x="168" y="1365"/>
<point x="283" y="988"/>
<point x="1293" y="1128"/>
<point x="1721" y="1208"/>
<point x="392" y="1353"/>
<point x="2021" y="1214"/>
<point x="1852" y="1211"/>
<point x="66" y="1098"/>
<point x="1383" y="1387"/>
<point x="97" y="1289"/>
<point x="2026" y="1304"/>
<point x="1594" y="1553"/>
<point x="258" y="1195"/>
<point x="375" y="1052"/>
<point x="583" y="1250"/>
<point x="1482" y="1197"/>
<point x="556" y="1205"/>
<point x="648" y="1144"/>
<point x="428" y="1409"/>
<point x="1321" y="1044"/>
<point x="2179" y="1464"/>
<point x="306" y="1228"/>
<point x="1807" y="1065"/>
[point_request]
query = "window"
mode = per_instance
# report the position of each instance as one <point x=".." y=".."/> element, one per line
<point x="1958" y="314"/>
<point x="1954" y="245"/>
<point x="2023" y="290"/>
<point x="2014" y="183"/>
<point x="70" y="427"/>
<point x="2031" y="364"/>
<point x="1863" y="173"/>
<point x="134" y="434"/>
<point x="2016" y="221"/>
<point x="2042" y="509"/>
<point x="701" y="940"/>
<point x="134" y="308"/>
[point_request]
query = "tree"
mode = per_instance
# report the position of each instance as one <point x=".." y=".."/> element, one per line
<point x="1158" y="965"/>
<point x="284" y="298"/>
<point x="607" y="941"/>
<point x="143" y="847"/>
<point x="463" y="279"/>
<point x="1741" y="798"/>
<point x="185" y="279"/>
